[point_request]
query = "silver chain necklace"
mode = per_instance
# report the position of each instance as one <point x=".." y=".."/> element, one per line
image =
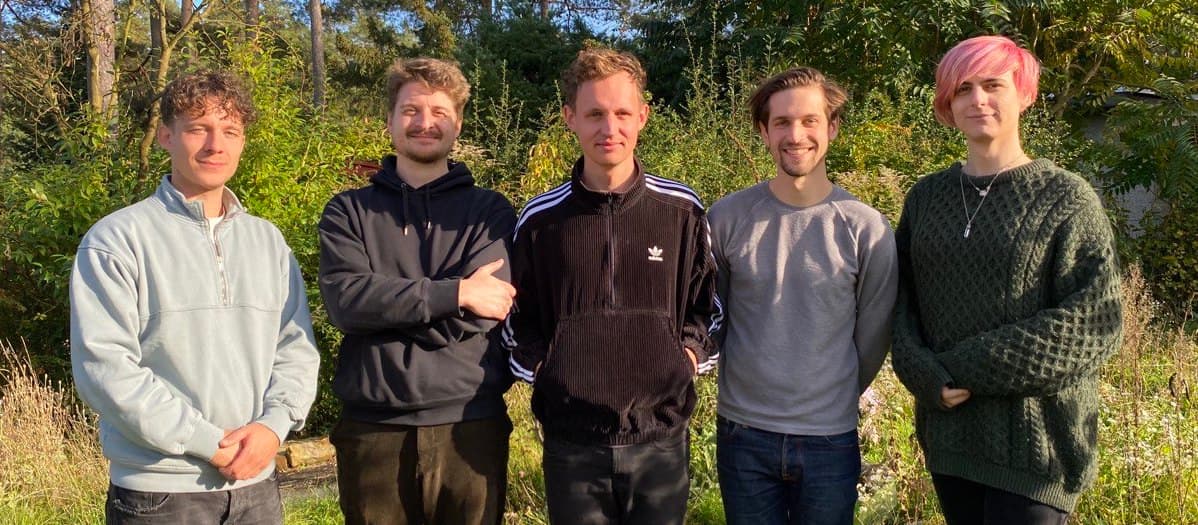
<point x="982" y="192"/>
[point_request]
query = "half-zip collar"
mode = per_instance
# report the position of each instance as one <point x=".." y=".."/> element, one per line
<point x="457" y="176"/>
<point x="173" y="200"/>
<point x="596" y="200"/>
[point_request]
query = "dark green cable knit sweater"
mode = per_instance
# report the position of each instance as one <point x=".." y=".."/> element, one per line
<point x="1022" y="313"/>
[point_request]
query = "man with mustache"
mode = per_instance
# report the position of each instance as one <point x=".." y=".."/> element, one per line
<point x="413" y="271"/>
<point x="807" y="277"/>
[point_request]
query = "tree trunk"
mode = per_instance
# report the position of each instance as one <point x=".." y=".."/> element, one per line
<point x="544" y="9"/>
<point x="487" y="7"/>
<point x="186" y="8"/>
<point x="160" y="66"/>
<point x="252" y="15"/>
<point x="318" y="69"/>
<point x="99" y="22"/>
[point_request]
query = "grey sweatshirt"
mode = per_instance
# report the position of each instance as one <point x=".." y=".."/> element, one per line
<point x="179" y="333"/>
<point x="809" y="297"/>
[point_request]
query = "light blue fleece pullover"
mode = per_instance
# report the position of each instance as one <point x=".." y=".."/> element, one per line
<point x="179" y="333"/>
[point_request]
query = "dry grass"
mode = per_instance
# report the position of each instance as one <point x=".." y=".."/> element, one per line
<point x="50" y="460"/>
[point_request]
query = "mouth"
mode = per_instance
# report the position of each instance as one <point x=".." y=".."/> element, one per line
<point x="797" y="151"/>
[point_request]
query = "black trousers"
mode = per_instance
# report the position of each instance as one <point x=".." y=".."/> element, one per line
<point x="643" y="484"/>
<point x="257" y="504"/>
<point x="444" y="474"/>
<point x="967" y="503"/>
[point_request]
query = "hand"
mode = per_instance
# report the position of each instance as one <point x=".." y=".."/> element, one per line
<point x="258" y="447"/>
<point x="951" y="397"/>
<point x="225" y="455"/>
<point x="694" y="360"/>
<point x="486" y="295"/>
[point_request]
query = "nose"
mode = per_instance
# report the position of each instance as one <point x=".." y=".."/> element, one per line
<point x="975" y="97"/>
<point x="215" y="142"/>
<point x="422" y="119"/>
<point x="609" y="125"/>
<point x="794" y="132"/>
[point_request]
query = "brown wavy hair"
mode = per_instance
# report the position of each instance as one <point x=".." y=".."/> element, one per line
<point x="436" y="74"/>
<point x="759" y="102"/>
<point x="194" y="93"/>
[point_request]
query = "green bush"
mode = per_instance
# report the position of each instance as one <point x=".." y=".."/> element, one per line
<point x="1169" y="254"/>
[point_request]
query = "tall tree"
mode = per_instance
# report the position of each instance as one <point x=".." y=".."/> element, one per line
<point x="99" y="23"/>
<point x="253" y="15"/>
<point x="160" y="66"/>
<point x="318" y="68"/>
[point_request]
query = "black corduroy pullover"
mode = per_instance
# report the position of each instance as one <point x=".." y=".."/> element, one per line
<point x="611" y="287"/>
<point x="391" y="260"/>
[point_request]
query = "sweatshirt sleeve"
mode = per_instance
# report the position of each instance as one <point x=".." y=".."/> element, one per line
<point x="1044" y="353"/>
<point x="877" y="285"/>
<point x="914" y="363"/>
<point x="492" y="242"/>
<point x="292" y="387"/>
<point x="105" y="357"/>
<point x="522" y="333"/>
<point x="702" y="314"/>
<point x="361" y="301"/>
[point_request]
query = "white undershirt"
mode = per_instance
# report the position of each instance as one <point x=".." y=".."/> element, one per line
<point x="212" y="222"/>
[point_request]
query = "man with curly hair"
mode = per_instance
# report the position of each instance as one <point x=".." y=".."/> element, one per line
<point x="190" y="333"/>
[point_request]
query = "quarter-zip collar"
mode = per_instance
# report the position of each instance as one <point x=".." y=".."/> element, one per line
<point x="596" y="200"/>
<point x="173" y="200"/>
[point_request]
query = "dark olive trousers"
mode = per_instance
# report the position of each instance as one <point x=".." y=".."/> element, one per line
<point x="444" y="474"/>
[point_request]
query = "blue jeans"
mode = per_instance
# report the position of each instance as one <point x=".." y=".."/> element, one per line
<point x="768" y="478"/>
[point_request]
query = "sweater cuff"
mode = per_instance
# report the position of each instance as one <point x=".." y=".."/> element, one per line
<point x="443" y="298"/>
<point x="204" y="441"/>
<point x="931" y="396"/>
<point x="278" y="420"/>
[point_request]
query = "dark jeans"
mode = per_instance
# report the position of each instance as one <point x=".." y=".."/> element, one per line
<point x="257" y="504"/>
<point x="768" y="478"/>
<point x="398" y="474"/>
<point x="968" y="503"/>
<point x="644" y="484"/>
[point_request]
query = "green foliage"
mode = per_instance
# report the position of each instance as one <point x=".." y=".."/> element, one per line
<point x="1155" y="141"/>
<point x="47" y="207"/>
<point x="1169" y="254"/>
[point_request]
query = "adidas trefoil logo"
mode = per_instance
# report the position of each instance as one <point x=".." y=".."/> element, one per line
<point x="655" y="254"/>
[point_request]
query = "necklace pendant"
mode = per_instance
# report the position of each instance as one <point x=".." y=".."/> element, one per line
<point x="967" y="227"/>
<point x="982" y="192"/>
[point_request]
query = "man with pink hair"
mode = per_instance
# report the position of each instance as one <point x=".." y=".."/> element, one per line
<point x="1008" y="304"/>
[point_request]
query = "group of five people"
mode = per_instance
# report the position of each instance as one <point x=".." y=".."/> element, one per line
<point x="191" y="336"/>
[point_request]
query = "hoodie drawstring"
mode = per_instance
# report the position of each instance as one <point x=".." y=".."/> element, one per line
<point x="428" y="211"/>
<point x="407" y="211"/>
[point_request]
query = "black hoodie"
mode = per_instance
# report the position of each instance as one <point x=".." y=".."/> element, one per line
<point x="391" y="259"/>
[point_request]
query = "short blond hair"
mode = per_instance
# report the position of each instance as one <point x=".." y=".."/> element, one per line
<point x="434" y="73"/>
<point x="597" y="63"/>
